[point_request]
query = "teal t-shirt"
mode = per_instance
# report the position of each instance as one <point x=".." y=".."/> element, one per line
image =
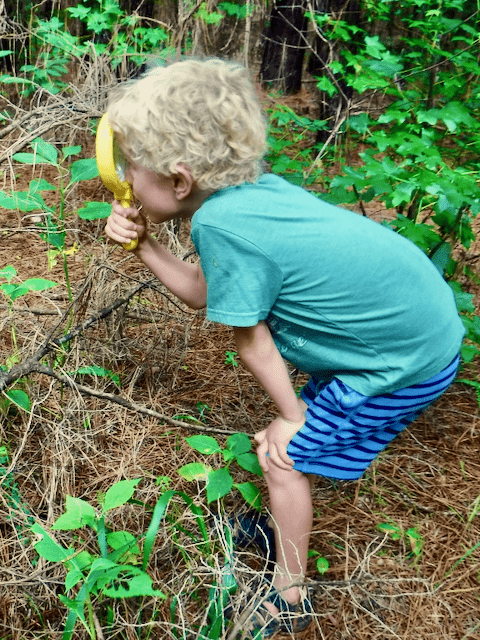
<point x="343" y="295"/>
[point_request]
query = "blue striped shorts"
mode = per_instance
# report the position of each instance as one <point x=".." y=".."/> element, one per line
<point x="345" y="430"/>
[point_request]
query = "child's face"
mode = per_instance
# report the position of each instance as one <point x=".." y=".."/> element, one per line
<point x="156" y="193"/>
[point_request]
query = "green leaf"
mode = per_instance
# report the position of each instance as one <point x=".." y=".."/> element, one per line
<point x="127" y="582"/>
<point x="392" y="529"/>
<point x="119" y="494"/>
<point x="125" y="544"/>
<point x="8" y="272"/>
<point x="322" y="565"/>
<point x="78" y="513"/>
<point x="46" y="150"/>
<point x="95" y="211"/>
<point x="158" y="513"/>
<point x="249" y="462"/>
<point x="251" y="494"/>
<point x="97" y="371"/>
<point x="239" y="443"/>
<point x="14" y="291"/>
<point x="204" y="444"/>
<point x="20" y="398"/>
<point x="84" y="169"/>
<point x="415" y="540"/>
<point x="219" y="483"/>
<point x="194" y="471"/>
<point x="325" y="84"/>
<point x="40" y="185"/>
<point x="39" y="284"/>
<point x="464" y="300"/>
<point x="48" y="548"/>
<point x="30" y="158"/>
<point x="71" y="151"/>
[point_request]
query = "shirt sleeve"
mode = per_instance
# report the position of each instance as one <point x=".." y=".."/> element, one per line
<point x="243" y="282"/>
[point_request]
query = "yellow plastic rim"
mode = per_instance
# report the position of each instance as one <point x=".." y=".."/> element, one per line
<point x="111" y="168"/>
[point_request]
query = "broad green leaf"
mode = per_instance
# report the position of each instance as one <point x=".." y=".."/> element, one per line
<point x="204" y="444"/>
<point x="194" y="471"/>
<point x="239" y="443"/>
<point x="41" y="185"/>
<point x="78" y="513"/>
<point x="95" y="211"/>
<point x="46" y="150"/>
<point x="463" y="299"/>
<point x="48" y="548"/>
<point x="39" y="284"/>
<point x="251" y="494"/>
<point x="20" y="398"/>
<point x="124" y="542"/>
<point x="71" y="151"/>
<point x="322" y="565"/>
<point x="84" y="169"/>
<point x="325" y="84"/>
<point x="119" y="494"/>
<point x="15" y="291"/>
<point x="249" y="462"/>
<point x="8" y="272"/>
<point x="128" y="582"/>
<point x="219" y="483"/>
<point x="73" y="577"/>
<point x="30" y="158"/>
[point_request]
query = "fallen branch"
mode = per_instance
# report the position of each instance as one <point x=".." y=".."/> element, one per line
<point x="27" y="366"/>
<point x="127" y="404"/>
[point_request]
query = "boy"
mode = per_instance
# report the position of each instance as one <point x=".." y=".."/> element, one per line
<point x="344" y="299"/>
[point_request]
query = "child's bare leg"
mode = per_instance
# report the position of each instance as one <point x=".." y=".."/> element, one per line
<point x="290" y="495"/>
<point x="291" y="507"/>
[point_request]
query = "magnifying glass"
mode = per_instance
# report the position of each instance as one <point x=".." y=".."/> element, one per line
<point x="111" y="166"/>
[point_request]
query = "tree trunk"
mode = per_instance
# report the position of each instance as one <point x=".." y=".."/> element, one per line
<point x="285" y="45"/>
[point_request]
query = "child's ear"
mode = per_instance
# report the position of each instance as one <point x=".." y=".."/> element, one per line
<point x="183" y="182"/>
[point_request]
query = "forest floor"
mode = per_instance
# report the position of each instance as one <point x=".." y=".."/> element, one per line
<point x="173" y="361"/>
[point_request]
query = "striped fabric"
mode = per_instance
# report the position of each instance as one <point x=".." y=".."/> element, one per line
<point x="345" y="431"/>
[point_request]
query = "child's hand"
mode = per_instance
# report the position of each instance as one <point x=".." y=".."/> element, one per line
<point x="274" y="441"/>
<point x="124" y="225"/>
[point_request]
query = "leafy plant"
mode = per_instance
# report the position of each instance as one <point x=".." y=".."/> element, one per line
<point x="53" y="230"/>
<point x="11" y="492"/>
<point x="289" y="153"/>
<point x="421" y="152"/>
<point x="411" y="536"/>
<point x="219" y="481"/>
<point x="114" y="571"/>
<point x="321" y="563"/>
<point x="11" y="292"/>
<point x="231" y="358"/>
<point x="117" y="568"/>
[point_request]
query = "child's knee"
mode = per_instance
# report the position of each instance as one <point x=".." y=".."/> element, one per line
<point x="276" y="476"/>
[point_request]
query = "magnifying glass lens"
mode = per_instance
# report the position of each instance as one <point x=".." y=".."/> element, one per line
<point x="119" y="160"/>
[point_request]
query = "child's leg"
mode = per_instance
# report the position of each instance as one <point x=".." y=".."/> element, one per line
<point x="291" y="507"/>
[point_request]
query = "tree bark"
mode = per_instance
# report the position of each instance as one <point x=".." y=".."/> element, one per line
<point x="285" y="46"/>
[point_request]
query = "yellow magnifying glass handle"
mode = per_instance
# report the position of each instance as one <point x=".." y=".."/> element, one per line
<point x="111" y="166"/>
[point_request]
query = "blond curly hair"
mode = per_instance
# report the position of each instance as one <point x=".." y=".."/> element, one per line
<point x="203" y="113"/>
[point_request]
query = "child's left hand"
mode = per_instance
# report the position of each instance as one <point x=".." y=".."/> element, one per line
<point x="274" y="441"/>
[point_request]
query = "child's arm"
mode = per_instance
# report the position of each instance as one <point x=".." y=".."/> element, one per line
<point x="184" y="280"/>
<point x="261" y="357"/>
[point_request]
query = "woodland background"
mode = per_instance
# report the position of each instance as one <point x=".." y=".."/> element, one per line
<point x="123" y="455"/>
